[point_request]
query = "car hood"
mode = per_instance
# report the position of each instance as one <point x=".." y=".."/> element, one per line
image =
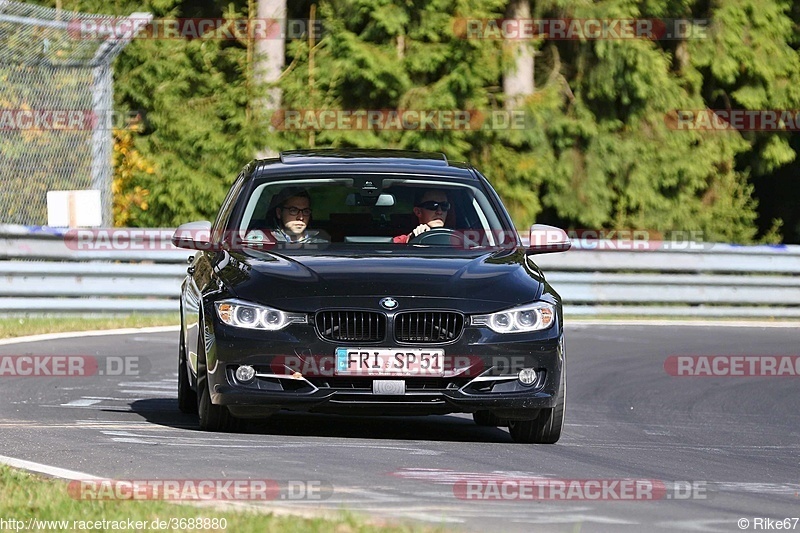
<point x="479" y="281"/>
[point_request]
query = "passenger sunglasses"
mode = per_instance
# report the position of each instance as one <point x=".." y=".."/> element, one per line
<point x="433" y="206"/>
<point x="293" y="211"/>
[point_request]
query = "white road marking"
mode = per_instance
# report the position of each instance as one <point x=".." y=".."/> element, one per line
<point x="103" y="423"/>
<point x="243" y="443"/>
<point x="93" y="333"/>
<point x="98" y="407"/>
<point x="159" y="341"/>
<point x="449" y="477"/>
<point x="575" y="322"/>
<point x="658" y="432"/>
<point x="758" y="488"/>
<point x="432" y="517"/>
<point x="135" y="441"/>
<point x="563" y="518"/>
<point x="107" y="398"/>
<point x="148" y="394"/>
<point x="658" y="446"/>
<point x="83" y="402"/>
<point x="697" y="525"/>
<point x="48" y="470"/>
<point x="163" y="384"/>
<point x="123" y="434"/>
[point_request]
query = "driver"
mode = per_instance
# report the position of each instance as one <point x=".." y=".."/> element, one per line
<point x="431" y="211"/>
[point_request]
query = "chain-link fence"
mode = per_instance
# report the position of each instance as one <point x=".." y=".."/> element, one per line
<point x="56" y="107"/>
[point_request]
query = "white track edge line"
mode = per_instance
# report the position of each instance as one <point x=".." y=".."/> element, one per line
<point x="571" y="321"/>
<point x="92" y="333"/>
<point x="73" y="475"/>
<point x="48" y="470"/>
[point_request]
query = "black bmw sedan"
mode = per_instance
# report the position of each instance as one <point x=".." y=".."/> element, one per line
<point x="370" y="282"/>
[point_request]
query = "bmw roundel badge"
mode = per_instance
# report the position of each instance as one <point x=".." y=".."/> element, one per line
<point x="389" y="303"/>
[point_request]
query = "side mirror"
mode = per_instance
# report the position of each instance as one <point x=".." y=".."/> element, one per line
<point x="547" y="239"/>
<point x="193" y="235"/>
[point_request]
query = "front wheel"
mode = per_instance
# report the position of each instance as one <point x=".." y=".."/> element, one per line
<point x="546" y="428"/>
<point x="187" y="398"/>
<point x="212" y="417"/>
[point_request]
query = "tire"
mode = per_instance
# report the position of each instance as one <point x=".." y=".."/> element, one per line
<point x="212" y="417"/>
<point x="546" y="428"/>
<point x="487" y="419"/>
<point x="187" y="398"/>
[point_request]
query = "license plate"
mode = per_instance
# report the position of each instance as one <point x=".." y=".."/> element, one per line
<point x="389" y="362"/>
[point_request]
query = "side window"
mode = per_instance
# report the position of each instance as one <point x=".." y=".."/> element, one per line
<point x="226" y="209"/>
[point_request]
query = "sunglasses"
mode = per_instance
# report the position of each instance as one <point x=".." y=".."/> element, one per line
<point x="294" y="211"/>
<point x="433" y="206"/>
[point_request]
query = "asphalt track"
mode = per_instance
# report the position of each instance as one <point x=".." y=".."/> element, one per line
<point x="735" y="440"/>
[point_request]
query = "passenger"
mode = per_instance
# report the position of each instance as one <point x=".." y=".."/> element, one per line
<point x="290" y="211"/>
<point x="431" y="211"/>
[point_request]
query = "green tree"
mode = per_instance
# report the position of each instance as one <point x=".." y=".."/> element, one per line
<point x="194" y="95"/>
<point x="599" y="147"/>
<point x="598" y="150"/>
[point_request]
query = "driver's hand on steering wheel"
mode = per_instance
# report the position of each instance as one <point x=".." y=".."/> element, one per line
<point x="422" y="228"/>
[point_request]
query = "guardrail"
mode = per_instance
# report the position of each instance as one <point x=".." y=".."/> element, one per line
<point x="139" y="270"/>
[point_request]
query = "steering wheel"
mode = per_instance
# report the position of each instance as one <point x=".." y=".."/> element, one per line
<point x="439" y="237"/>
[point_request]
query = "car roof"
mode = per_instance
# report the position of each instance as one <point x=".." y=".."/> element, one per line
<point x="343" y="161"/>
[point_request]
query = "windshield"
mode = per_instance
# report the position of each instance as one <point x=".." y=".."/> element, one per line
<point x="370" y="210"/>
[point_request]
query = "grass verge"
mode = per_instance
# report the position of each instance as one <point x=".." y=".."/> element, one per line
<point x="43" y="504"/>
<point x="21" y="326"/>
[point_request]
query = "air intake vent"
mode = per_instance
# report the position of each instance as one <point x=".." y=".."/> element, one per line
<point x="428" y="326"/>
<point x="351" y="326"/>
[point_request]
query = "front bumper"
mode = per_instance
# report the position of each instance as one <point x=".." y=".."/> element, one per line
<point x="295" y="371"/>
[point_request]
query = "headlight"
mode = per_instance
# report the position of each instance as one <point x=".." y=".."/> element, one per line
<point x="530" y="317"/>
<point x="251" y="316"/>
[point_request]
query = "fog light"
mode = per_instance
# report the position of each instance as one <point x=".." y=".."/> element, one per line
<point x="527" y="376"/>
<point x="245" y="373"/>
